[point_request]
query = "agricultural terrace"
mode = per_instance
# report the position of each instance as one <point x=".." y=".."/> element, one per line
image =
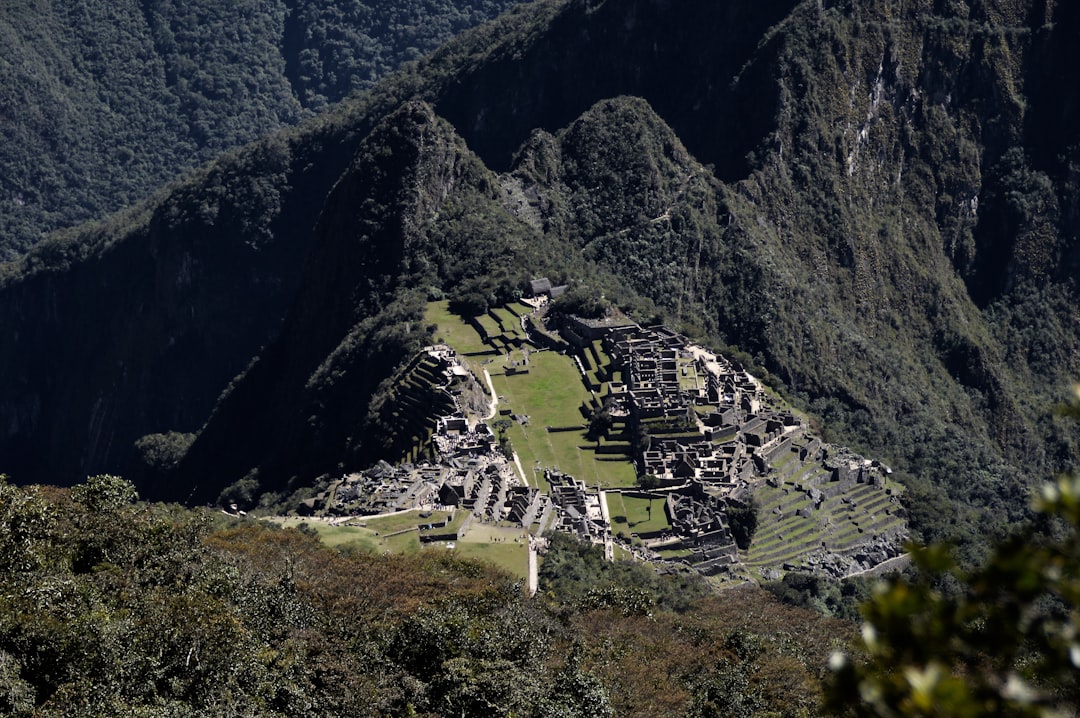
<point x="544" y="386"/>
<point x="454" y="331"/>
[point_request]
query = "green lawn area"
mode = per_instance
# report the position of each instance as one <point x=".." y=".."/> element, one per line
<point x="366" y="539"/>
<point x="453" y="330"/>
<point x="511" y="324"/>
<point x="455" y="523"/>
<point x="617" y="513"/>
<point x="550" y="395"/>
<point x="638" y="517"/>
<point x="389" y="524"/>
<point x="497" y="545"/>
<point x="598" y="349"/>
<point x="489" y="325"/>
<point x="630" y="515"/>
<point x="519" y="308"/>
<point x="371" y="534"/>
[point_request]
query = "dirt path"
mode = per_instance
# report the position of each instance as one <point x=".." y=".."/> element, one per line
<point x="493" y="406"/>
<point x="896" y="563"/>
<point x="609" y="548"/>
<point x="533" y="579"/>
<point x="521" y="471"/>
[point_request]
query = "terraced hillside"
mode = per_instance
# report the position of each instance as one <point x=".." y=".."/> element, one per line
<point x="628" y="437"/>
<point x="424" y="390"/>
<point x="797" y="531"/>
<point x="681" y="444"/>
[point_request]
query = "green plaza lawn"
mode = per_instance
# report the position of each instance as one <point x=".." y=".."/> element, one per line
<point x="630" y="515"/>
<point x="503" y="546"/>
<point x="454" y="331"/>
<point x="550" y="394"/>
<point x="377" y="539"/>
<point x="638" y="517"/>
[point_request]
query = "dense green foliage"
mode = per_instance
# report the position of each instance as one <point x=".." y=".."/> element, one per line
<point x="111" y="607"/>
<point x="1000" y="640"/>
<point x="877" y="227"/>
<point x="577" y="572"/>
<point x="414" y="214"/>
<point x="997" y="639"/>
<point x="104" y="102"/>
<point x="877" y="201"/>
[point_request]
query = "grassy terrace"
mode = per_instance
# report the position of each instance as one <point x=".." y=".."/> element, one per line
<point x="617" y="511"/>
<point x="396" y="534"/>
<point x="838" y="524"/>
<point x="551" y="394"/>
<point x="511" y="325"/>
<point x="688" y="377"/>
<point x="454" y="525"/>
<point x="501" y="546"/>
<point x="453" y="331"/>
<point x="518" y="309"/>
<point x="489" y="325"/>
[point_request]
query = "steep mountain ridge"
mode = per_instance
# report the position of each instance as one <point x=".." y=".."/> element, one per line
<point x="104" y="102"/>
<point x="682" y="58"/>
<point x="249" y="215"/>
<point x="382" y="237"/>
<point x="884" y="210"/>
<point x="184" y="292"/>
<point x="885" y="227"/>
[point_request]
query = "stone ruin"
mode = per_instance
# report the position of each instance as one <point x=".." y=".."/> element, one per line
<point x="715" y="437"/>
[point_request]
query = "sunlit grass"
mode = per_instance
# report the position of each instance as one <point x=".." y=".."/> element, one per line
<point x="551" y="394"/>
<point x="453" y="330"/>
<point x="639" y="518"/>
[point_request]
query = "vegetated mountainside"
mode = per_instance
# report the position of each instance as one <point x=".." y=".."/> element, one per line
<point x="417" y="216"/>
<point x="112" y="607"/>
<point x="186" y="288"/>
<point x="923" y="212"/>
<point x="887" y="221"/>
<point x="106" y="101"/>
<point x="414" y="212"/>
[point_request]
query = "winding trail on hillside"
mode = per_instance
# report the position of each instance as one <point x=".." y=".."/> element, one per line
<point x="896" y="563"/>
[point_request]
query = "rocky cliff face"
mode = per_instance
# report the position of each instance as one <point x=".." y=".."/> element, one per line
<point x="887" y="220"/>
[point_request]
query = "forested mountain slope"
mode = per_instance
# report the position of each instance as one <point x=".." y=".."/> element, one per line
<point x="886" y="219"/>
<point x="118" y="608"/>
<point x="104" y="102"/>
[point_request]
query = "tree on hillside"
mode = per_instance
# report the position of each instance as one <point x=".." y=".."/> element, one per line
<point x="600" y="423"/>
<point x="648" y="482"/>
